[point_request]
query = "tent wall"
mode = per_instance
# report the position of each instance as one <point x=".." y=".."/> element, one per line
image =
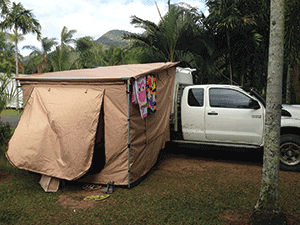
<point x="115" y="126"/>
<point x="148" y="136"/>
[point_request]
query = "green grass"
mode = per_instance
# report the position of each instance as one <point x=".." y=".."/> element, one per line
<point x="163" y="197"/>
<point x="9" y="112"/>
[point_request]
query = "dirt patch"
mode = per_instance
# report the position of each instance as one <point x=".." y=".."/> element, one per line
<point x="187" y="165"/>
<point x="183" y="165"/>
<point x="4" y="177"/>
<point x="76" y="200"/>
<point x="67" y="201"/>
<point x="236" y="217"/>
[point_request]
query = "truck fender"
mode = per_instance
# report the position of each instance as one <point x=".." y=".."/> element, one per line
<point x="290" y="122"/>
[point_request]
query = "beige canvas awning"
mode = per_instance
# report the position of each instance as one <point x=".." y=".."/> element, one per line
<point x="56" y="133"/>
<point x="108" y="73"/>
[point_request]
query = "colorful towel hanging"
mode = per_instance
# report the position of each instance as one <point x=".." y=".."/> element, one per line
<point x="134" y="98"/>
<point x="151" y="94"/>
<point x="140" y="86"/>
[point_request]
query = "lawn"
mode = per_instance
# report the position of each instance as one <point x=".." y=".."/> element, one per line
<point x="191" y="188"/>
<point x="9" y="112"/>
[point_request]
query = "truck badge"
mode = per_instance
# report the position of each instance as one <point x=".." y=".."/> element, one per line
<point x="256" y="116"/>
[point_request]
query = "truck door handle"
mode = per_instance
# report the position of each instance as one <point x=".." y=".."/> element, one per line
<point x="212" y="113"/>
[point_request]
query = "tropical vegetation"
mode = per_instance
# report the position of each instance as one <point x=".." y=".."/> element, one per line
<point x="229" y="45"/>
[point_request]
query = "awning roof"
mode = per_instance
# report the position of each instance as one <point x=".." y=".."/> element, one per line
<point x="122" y="72"/>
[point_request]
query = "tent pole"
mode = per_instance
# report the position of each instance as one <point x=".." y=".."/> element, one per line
<point x="128" y="122"/>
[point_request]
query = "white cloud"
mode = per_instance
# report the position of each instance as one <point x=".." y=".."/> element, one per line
<point x="92" y="17"/>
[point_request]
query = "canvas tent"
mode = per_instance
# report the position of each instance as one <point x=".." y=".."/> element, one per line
<point x="62" y="118"/>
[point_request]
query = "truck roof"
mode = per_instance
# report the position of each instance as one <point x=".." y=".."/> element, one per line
<point x="216" y="85"/>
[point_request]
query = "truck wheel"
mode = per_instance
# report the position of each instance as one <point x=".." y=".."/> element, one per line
<point x="290" y="152"/>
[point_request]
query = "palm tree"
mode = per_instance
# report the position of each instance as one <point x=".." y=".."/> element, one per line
<point x="4" y="4"/>
<point x="61" y="55"/>
<point x="292" y="47"/>
<point x="231" y="21"/>
<point x="166" y="40"/>
<point x="113" y="56"/>
<point x="7" y="67"/>
<point x="268" y="209"/>
<point x="41" y="56"/>
<point x="18" y="19"/>
<point x="13" y="38"/>
<point x="6" y="54"/>
<point x="66" y="37"/>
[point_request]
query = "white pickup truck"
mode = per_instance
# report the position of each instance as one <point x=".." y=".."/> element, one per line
<point x="228" y="115"/>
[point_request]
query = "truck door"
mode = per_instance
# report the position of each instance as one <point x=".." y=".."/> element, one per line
<point x="229" y="117"/>
<point x="192" y="114"/>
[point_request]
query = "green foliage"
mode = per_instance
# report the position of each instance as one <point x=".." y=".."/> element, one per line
<point x="166" y="40"/>
<point x="90" y="53"/>
<point x="186" y="35"/>
<point x="7" y="62"/>
<point x="19" y="18"/>
<point x="292" y="40"/>
<point x="38" y="59"/>
<point x="61" y="58"/>
<point x="6" y="94"/>
<point x="238" y="39"/>
<point x="4" y="4"/>
<point x="232" y="41"/>
<point x="97" y="54"/>
<point x="5" y="133"/>
<point x="66" y="37"/>
<point x="113" y="56"/>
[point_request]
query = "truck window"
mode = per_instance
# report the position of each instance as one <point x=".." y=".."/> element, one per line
<point x="195" y="97"/>
<point x="227" y="98"/>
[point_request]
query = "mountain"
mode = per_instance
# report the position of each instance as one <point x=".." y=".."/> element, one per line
<point x="113" y="38"/>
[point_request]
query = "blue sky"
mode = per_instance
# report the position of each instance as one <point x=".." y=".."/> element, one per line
<point x="92" y="17"/>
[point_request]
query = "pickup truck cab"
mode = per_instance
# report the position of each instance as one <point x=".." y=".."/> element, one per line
<point x="227" y="115"/>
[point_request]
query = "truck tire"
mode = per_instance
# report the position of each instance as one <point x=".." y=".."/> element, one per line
<point x="289" y="152"/>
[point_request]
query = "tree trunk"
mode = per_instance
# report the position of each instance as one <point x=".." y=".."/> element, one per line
<point x="288" y="85"/>
<point x="17" y="70"/>
<point x="229" y="52"/>
<point x="268" y="210"/>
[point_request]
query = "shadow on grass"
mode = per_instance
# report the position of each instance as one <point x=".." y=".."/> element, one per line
<point x="214" y="153"/>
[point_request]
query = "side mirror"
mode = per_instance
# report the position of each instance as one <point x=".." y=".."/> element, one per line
<point x="247" y="87"/>
<point x="253" y="104"/>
